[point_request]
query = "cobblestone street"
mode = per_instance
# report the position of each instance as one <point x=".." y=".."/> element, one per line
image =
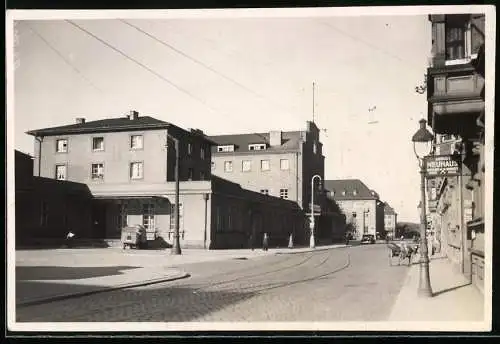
<point x="346" y="284"/>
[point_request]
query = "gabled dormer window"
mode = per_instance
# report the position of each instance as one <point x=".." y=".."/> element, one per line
<point x="225" y="148"/>
<point x="257" y="146"/>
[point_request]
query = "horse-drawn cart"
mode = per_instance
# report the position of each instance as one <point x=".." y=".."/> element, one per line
<point x="401" y="251"/>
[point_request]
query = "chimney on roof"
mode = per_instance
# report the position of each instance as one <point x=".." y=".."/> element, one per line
<point x="275" y="138"/>
<point x="80" y="120"/>
<point x="133" y="115"/>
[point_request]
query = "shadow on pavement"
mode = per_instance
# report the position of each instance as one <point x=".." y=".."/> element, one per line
<point x="25" y="273"/>
<point x="159" y="304"/>
<point x="451" y="289"/>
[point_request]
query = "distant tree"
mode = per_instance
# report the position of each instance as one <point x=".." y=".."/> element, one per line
<point x="407" y="229"/>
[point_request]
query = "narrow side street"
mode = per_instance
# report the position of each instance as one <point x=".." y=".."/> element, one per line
<point x="349" y="284"/>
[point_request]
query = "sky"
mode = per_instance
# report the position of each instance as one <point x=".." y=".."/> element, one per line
<point x="239" y="75"/>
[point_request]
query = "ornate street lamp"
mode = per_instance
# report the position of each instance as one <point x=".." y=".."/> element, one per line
<point x="422" y="146"/>
<point x="312" y="243"/>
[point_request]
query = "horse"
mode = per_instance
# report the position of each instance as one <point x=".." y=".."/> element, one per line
<point x="402" y="252"/>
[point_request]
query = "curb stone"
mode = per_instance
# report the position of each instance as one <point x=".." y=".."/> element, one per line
<point x="39" y="301"/>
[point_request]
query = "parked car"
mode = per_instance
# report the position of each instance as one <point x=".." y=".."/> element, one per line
<point x="368" y="239"/>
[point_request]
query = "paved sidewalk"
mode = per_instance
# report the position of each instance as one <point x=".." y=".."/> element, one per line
<point x="49" y="275"/>
<point x="455" y="299"/>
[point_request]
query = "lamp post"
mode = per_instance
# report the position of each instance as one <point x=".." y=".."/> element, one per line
<point x="422" y="146"/>
<point x="312" y="243"/>
<point x="176" y="246"/>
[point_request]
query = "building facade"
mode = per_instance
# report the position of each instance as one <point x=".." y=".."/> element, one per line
<point x="361" y="206"/>
<point x="455" y="92"/>
<point x="128" y="166"/>
<point x="390" y="221"/>
<point x="279" y="164"/>
<point x="117" y="155"/>
<point x="276" y="163"/>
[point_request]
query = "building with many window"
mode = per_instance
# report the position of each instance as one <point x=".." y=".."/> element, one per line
<point x="279" y="164"/>
<point x="276" y="163"/>
<point x="128" y="164"/>
<point x="455" y="92"/>
<point x="361" y="206"/>
<point x="120" y="155"/>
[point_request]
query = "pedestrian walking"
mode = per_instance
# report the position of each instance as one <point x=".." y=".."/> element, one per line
<point x="290" y="241"/>
<point x="347" y="237"/>
<point x="265" y="242"/>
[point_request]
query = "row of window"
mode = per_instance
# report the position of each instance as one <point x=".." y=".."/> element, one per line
<point x="283" y="193"/>
<point x="344" y="192"/>
<point x="254" y="147"/>
<point x="246" y="165"/>
<point x="136" y="171"/>
<point x="135" y="142"/>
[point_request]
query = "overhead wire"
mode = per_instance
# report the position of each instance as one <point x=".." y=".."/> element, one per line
<point x="55" y="50"/>
<point x="197" y="61"/>
<point x="368" y="44"/>
<point x="158" y="75"/>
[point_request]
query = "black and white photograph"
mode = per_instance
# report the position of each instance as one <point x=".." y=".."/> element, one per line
<point x="315" y="169"/>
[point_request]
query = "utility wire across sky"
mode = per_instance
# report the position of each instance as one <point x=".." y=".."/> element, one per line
<point x="368" y="44"/>
<point x="142" y="65"/>
<point x="170" y="46"/>
<point x="54" y="49"/>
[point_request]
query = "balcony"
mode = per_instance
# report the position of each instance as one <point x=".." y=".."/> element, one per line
<point x="454" y="96"/>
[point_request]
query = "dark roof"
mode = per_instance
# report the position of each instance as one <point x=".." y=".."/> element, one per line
<point x="349" y="185"/>
<point x="290" y="141"/>
<point x="228" y="187"/>
<point x="104" y="125"/>
<point x="22" y="155"/>
<point x="388" y="210"/>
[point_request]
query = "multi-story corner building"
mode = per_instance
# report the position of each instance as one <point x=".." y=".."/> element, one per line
<point x="390" y="220"/>
<point x="128" y="164"/>
<point x="120" y="155"/>
<point x="279" y="164"/>
<point x="361" y="206"/>
<point x="276" y="163"/>
<point x="455" y="92"/>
